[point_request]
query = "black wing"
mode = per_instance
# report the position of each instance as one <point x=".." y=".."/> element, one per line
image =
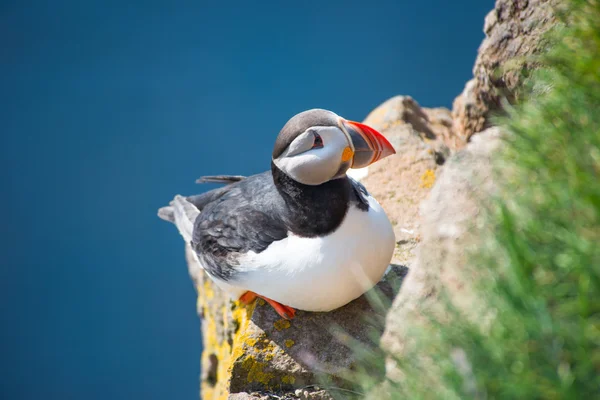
<point x="234" y="220"/>
<point x="359" y="195"/>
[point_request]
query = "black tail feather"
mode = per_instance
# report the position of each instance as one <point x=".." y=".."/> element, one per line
<point x="227" y="179"/>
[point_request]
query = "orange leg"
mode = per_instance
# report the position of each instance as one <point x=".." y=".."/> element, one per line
<point x="284" y="311"/>
<point x="248" y="297"/>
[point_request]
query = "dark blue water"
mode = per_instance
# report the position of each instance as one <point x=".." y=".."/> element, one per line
<point x="108" y="109"/>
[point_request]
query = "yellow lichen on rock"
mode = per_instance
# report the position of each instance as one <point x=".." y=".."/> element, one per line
<point x="428" y="179"/>
<point x="252" y="353"/>
<point x="220" y="319"/>
<point x="241" y="339"/>
<point x="256" y="371"/>
<point x="221" y="351"/>
<point x="282" y="324"/>
<point x="289" y="343"/>
<point x="215" y="347"/>
<point x="207" y="290"/>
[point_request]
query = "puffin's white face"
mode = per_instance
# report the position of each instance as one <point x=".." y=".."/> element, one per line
<point x="319" y="154"/>
<point x="317" y="146"/>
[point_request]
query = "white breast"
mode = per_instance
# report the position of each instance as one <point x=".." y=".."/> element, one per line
<point x="323" y="273"/>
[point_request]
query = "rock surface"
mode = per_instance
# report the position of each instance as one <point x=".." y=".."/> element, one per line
<point x="513" y="30"/>
<point x="423" y="139"/>
<point x="450" y="227"/>
<point x="309" y="393"/>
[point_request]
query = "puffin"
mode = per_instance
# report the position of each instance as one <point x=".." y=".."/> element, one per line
<point x="304" y="235"/>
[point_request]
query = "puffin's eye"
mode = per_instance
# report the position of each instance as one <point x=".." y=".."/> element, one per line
<point x="318" y="142"/>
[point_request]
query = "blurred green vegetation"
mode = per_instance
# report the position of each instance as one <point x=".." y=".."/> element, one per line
<point x="541" y="284"/>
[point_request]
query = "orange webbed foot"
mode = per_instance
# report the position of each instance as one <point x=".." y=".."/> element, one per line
<point x="283" y="310"/>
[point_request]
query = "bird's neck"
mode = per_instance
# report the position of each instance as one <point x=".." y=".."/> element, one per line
<point x="312" y="210"/>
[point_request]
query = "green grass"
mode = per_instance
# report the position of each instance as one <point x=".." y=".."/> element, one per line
<point x="541" y="284"/>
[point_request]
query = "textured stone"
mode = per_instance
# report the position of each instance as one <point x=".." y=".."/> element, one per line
<point x="421" y="138"/>
<point x="513" y="30"/>
<point x="450" y="227"/>
<point x="248" y="396"/>
<point x="302" y="394"/>
<point x="433" y="126"/>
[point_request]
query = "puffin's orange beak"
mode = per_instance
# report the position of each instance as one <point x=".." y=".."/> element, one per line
<point x="369" y="145"/>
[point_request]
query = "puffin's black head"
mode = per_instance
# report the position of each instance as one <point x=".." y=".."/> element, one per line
<point x="317" y="146"/>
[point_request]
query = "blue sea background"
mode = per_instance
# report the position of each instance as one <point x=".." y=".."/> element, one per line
<point x="109" y="108"/>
